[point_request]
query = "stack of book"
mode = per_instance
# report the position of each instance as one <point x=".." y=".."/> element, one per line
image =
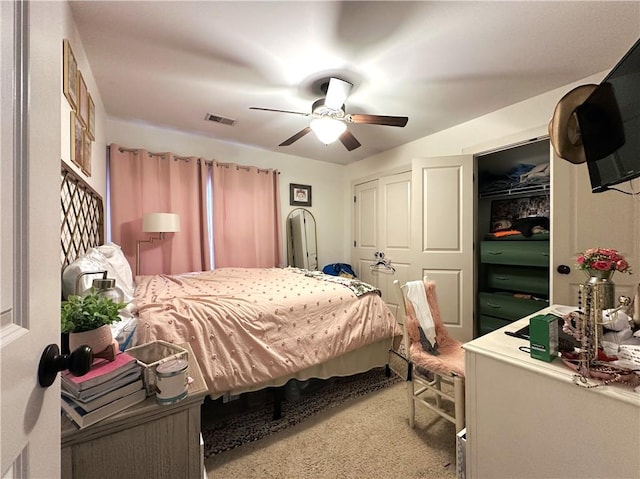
<point x="108" y="388"/>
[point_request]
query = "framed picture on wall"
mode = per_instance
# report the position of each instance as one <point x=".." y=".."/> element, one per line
<point x="299" y="195"/>
<point x="70" y="75"/>
<point x="76" y="139"/>
<point x="91" y="117"/>
<point x="86" y="153"/>
<point x="83" y="104"/>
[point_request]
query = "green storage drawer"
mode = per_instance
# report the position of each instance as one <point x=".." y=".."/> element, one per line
<point x="523" y="253"/>
<point x="523" y="279"/>
<point x="505" y="306"/>
<point x="489" y="323"/>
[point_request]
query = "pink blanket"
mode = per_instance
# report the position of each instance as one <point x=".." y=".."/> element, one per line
<point x="248" y="326"/>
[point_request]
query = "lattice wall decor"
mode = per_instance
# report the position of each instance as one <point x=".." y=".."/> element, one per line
<point x="82" y="221"/>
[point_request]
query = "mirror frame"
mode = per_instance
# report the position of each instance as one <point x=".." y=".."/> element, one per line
<point x="290" y="237"/>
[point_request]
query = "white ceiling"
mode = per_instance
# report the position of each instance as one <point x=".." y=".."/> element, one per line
<point x="439" y="63"/>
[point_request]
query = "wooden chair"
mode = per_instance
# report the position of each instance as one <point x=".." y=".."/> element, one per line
<point x="426" y="373"/>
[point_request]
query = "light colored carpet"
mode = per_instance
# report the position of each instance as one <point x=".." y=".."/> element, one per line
<point x="365" y="438"/>
<point x="222" y="429"/>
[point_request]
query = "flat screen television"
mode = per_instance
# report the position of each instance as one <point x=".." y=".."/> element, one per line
<point x="609" y="122"/>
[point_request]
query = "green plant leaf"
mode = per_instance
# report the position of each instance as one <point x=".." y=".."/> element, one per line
<point x="84" y="313"/>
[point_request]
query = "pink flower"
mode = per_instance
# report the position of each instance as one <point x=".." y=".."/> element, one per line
<point x="602" y="259"/>
<point x="622" y="265"/>
<point x="602" y="265"/>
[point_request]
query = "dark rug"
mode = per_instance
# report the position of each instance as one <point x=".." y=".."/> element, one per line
<point x="223" y="430"/>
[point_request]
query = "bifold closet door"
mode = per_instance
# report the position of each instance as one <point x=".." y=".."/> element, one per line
<point x="443" y="234"/>
<point x="382" y="224"/>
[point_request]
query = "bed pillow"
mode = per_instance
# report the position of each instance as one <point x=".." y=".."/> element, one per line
<point x="121" y="268"/>
<point x="91" y="261"/>
<point x="102" y="258"/>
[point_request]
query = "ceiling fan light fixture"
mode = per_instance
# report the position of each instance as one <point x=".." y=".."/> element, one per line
<point x="328" y="130"/>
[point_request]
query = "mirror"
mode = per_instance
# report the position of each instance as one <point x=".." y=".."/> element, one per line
<point x="302" y="239"/>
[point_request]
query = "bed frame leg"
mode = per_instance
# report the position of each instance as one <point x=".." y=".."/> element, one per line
<point x="278" y="394"/>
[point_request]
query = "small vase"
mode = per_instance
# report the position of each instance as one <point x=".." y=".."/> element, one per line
<point x="98" y="339"/>
<point x="600" y="281"/>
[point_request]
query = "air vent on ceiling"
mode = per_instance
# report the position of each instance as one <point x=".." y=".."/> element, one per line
<point x="219" y="119"/>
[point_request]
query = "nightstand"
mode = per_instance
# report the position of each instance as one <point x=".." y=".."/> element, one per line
<point x="145" y="441"/>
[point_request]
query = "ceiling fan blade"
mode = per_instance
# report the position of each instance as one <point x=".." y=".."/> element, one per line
<point x="377" y="119"/>
<point x="349" y="141"/>
<point x="279" y="111"/>
<point x="296" y="137"/>
<point x="337" y="93"/>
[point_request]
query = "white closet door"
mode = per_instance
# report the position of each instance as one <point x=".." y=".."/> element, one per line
<point x="382" y="223"/>
<point x="443" y="233"/>
<point x="365" y="229"/>
<point x="582" y="220"/>
<point x="423" y="222"/>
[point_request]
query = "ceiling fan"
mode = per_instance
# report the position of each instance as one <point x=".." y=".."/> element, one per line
<point x="330" y="119"/>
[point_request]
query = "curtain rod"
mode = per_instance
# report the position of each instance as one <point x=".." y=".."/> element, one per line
<point x="135" y="151"/>
<point x="241" y="167"/>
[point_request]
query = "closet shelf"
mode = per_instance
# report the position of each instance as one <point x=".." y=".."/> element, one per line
<point x="516" y="190"/>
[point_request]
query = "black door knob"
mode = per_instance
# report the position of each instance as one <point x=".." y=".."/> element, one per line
<point x="563" y="269"/>
<point x="78" y="363"/>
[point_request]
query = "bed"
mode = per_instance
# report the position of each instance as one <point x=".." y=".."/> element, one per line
<point x="249" y="328"/>
<point x="252" y="328"/>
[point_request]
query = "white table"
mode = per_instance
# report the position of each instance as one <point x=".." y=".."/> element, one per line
<point x="527" y="419"/>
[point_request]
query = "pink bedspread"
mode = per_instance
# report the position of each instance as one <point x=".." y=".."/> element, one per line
<point x="248" y="326"/>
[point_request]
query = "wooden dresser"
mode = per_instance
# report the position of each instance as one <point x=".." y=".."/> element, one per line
<point x="145" y="441"/>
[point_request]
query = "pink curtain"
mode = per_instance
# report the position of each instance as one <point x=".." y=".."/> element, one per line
<point x="246" y="216"/>
<point x="143" y="182"/>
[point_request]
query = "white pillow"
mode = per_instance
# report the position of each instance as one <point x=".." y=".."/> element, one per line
<point x="121" y="267"/>
<point x="91" y="261"/>
<point x="95" y="260"/>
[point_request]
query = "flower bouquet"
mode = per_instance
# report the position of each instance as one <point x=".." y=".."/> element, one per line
<point x="602" y="259"/>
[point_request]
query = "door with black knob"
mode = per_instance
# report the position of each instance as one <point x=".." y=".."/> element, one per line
<point x="30" y="240"/>
<point x="582" y="220"/>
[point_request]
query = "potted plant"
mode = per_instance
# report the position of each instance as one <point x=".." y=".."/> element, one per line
<point x="87" y="319"/>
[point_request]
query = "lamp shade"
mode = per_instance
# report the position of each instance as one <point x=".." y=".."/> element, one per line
<point x="161" y="223"/>
<point x="328" y="130"/>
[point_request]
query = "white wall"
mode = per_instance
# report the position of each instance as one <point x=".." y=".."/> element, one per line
<point x="98" y="159"/>
<point x="328" y="185"/>
<point x="510" y="124"/>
